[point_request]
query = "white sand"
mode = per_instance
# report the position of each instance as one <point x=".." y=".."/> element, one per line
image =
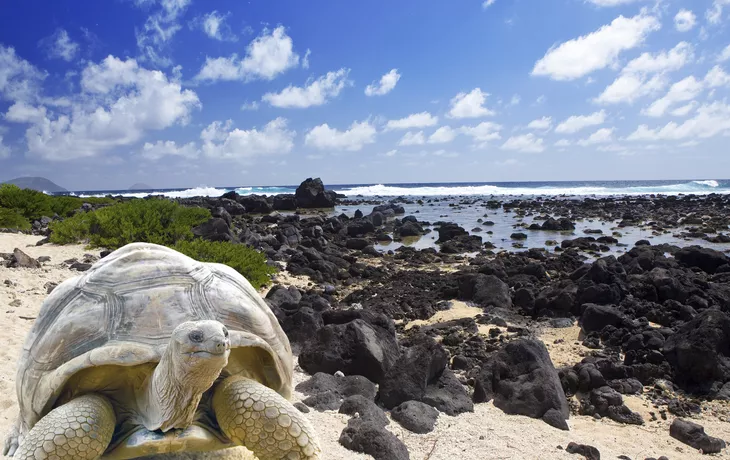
<point x="487" y="433"/>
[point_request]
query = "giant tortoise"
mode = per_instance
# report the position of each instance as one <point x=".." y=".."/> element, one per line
<point x="152" y="352"/>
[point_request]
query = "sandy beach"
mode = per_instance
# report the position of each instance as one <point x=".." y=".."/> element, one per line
<point x="487" y="433"/>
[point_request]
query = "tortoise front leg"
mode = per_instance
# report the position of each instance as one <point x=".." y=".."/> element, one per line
<point x="80" y="429"/>
<point x="257" y="417"/>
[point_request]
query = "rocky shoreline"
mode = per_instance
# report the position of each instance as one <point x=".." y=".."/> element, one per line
<point x="653" y="319"/>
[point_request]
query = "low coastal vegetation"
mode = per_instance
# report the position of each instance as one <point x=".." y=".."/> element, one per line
<point x="117" y="223"/>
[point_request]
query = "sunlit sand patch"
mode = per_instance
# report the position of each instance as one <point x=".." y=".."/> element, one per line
<point x="569" y="350"/>
<point x="458" y="310"/>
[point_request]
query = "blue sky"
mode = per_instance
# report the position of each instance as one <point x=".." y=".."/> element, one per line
<point x="184" y="93"/>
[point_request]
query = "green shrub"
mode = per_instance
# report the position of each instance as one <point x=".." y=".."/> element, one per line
<point x="64" y="206"/>
<point x="157" y="221"/>
<point x="244" y="259"/>
<point x="31" y="204"/>
<point x="9" y="218"/>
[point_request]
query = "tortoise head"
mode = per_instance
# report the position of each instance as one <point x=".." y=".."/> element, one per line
<point x="199" y="349"/>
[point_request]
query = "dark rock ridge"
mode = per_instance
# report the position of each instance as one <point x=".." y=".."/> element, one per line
<point x="694" y="435"/>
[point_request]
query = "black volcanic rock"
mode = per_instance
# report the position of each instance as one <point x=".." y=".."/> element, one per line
<point x="699" y="352"/>
<point x="311" y="194"/>
<point x="522" y="380"/>
<point x="694" y="435"/>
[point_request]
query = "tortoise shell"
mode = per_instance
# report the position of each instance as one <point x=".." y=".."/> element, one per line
<point x="122" y="311"/>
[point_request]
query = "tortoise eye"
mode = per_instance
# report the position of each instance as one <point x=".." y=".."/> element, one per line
<point x="196" y="336"/>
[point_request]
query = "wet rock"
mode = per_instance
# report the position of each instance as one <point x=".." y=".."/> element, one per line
<point x="561" y="224"/>
<point x="415" y="416"/>
<point x="50" y="286"/>
<point x="694" y="435"/>
<point x="357" y="243"/>
<point x="216" y="229"/>
<point x="607" y="402"/>
<point x="450" y="231"/>
<point x="522" y="380"/>
<point x="80" y="266"/>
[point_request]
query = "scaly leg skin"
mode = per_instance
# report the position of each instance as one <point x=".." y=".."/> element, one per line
<point x="12" y="440"/>
<point x="257" y="417"/>
<point x="80" y="429"/>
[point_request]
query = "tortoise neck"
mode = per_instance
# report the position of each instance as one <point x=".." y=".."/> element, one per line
<point x="170" y="396"/>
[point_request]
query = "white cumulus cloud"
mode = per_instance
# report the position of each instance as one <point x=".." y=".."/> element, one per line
<point x="576" y="123"/>
<point x="724" y="54"/>
<point x="385" y="85"/>
<point x="120" y="101"/>
<point x="483" y="133"/>
<point x="597" y="50"/>
<point x="685" y="20"/>
<point x="215" y="26"/>
<point x="4" y="149"/>
<point x="412" y="138"/>
<point x="710" y="120"/>
<point x="220" y="141"/>
<point x="442" y="135"/>
<point x="60" y="46"/>
<point x="684" y="90"/>
<point x="316" y="92"/>
<point x="415" y="120"/>
<point x="541" y="124"/>
<point x="161" y="149"/>
<point x="353" y="139"/>
<point x="19" y="79"/>
<point x="646" y="75"/>
<point x="602" y="136"/>
<point x="469" y="105"/>
<point x="528" y="143"/>
<point x="267" y="56"/>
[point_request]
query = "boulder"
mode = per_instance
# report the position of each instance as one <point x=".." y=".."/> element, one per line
<point x="596" y="317"/>
<point x="215" y="229"/>
<point x="366" y="410"/>
<point x="20" y="259"/>
<point x="311" y="194"/>
<point x="699" y="352"/>
<point x="415" y="416"/>
<point x="371" y="439"/>
<point x="285" y="202"/>
<point x="448" y="395"/>
<point x="419" y="364"/>
<point x="343" y="386"/>
<point x="256" y="204"/>
<point x="357" y="347"/>
<point x="706" y="259"/>
<point x="449" y="231"/>
<point x="558" y="225"/>
<point x="486" y="290"/>
<point x="694" y="435"/>
<point x="522" y="380"/>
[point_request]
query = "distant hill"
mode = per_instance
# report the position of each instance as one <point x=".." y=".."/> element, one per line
<point x="140" y="186"/>
<point x="36" y="183"/>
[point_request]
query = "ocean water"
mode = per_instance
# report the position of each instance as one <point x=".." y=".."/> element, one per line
<point x="575" y="188"/>
<point x="505" y="222"/>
